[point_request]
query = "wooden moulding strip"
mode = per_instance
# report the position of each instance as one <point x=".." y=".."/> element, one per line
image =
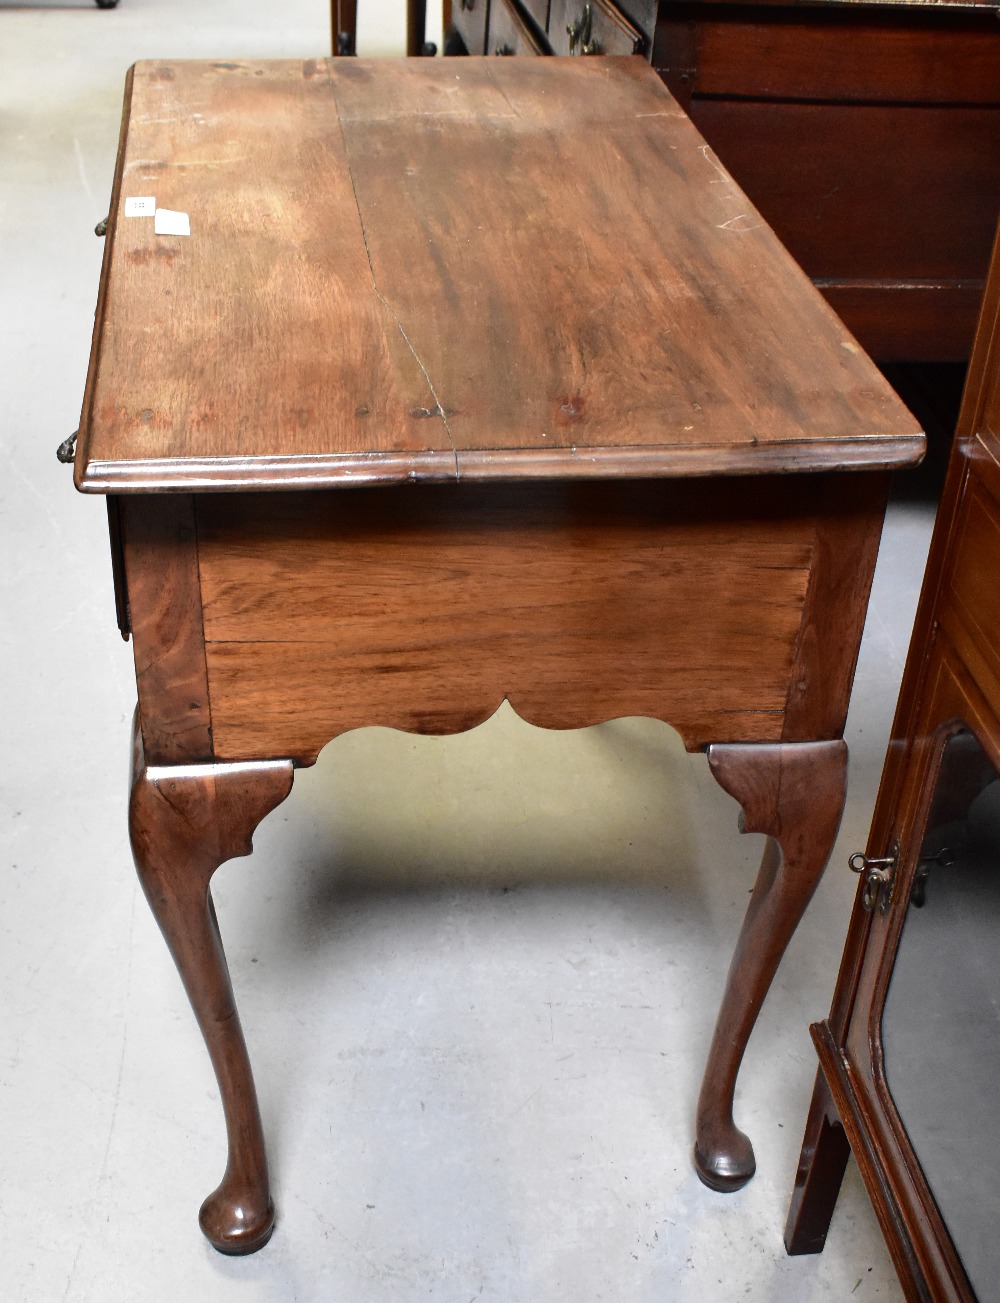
<point x="867" y="1154"/>
<point x="320" y="471"/>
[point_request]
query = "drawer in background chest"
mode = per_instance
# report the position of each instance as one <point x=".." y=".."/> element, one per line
<point x="592" y="27"/>
<point x="469" y="24"/>
<point x="573" y="27"/>
<point x="498" y="27"/>
<point x="970" y="589"/>
<point x="512" y="30"/>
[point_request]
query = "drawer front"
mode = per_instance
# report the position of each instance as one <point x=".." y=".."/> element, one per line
<point x="470" y="19"/>
<point x="883" y="192"/>
<point x="989" y="422"/>
<point x="908" y="321"/>
<point x="538" y="10"/>
<point x="972" y="578"/>
<point x="836" y="58"/>
<point x="592" y="27"/>
<point x="512" y="32"/>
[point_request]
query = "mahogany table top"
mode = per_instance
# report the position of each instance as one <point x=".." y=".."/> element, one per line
<point x="432" y="269"/>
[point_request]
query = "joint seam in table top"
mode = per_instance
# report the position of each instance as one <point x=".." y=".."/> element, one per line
<point x="664" y="457"/>
<point x="201" y="588"/>
<point x="378" y="293"/>
<point x="493" y="82"/>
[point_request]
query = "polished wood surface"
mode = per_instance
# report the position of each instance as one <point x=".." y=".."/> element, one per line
<point x="794" y="795"/>
<point x="511" y="32"/>
<point x="841" y="153"/>
<point x="597" y="28"/>
<point x="848" y="529"/>
<point x="344" y="26"/>
<point x="726" y="614"/>
<point x="819" y="57"/>
<point x="493" y="268"/>
<point x="984" y="6"/>
<point x="978" y="439"/>
<point x="822" y="1163"/>
<point x="869" y="137"/>
<point x="899" y="314"/>
<point x="613" y="386"/>
<point x="952" y="678"/>
<point x="183" y="824"/>
<point x="816" y="108"/>
<point x="163" y="594"/>
<point x="700" y="605"/>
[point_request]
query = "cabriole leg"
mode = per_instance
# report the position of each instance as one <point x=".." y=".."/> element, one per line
<point x="184" y="822"/>
<point x="793" y="792"/>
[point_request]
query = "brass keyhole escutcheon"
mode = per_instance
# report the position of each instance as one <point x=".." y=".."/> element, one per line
<point x="878" y="874"/>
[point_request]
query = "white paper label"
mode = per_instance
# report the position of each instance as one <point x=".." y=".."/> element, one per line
<point x="145" y="206"/>
<point x="169" y="222"/>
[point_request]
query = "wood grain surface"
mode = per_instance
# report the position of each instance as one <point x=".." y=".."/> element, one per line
<point x="184" y="822"/>
<point x="951" y="680"/>
<point x="828" y="56"/>
<point x="438" y="270"/>
<point x="822" y="1162"/>
<point x="985" y="6"/>
<point x="538" y="10"/>
<point x="828" y="183"/>
<point x="978" y="438"/>
<point x="576" y="602"/>
<point x="848" y="529"/>
<point x="970" y="587"/>
<point x="610" y="32"/>
<point x="512" y="33"/>
<point x="165" y="609"/>
<point x="930" y="320"/>
<point x="795" y="796"/>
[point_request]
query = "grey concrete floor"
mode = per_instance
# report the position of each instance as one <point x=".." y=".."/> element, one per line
<point x="477" y="974"/>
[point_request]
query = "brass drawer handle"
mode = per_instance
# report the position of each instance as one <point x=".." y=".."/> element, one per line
<point x="579" y="33"/>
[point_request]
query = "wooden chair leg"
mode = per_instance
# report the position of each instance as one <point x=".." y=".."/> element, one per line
<point x="416" y="27"/>
<point x="184" y="821"/>
<point x="825" y="1151"/>
<point x="793" y="792"/>
<point x="344" y="26"/>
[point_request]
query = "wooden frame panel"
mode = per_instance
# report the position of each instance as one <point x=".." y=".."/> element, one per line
<point x="848" y="530"/>
<point x="611" y="31"/>
<point x="908" y="320"/>
<point x="923" y="1253"/>
<point x="823" y="165"/>
<point x="164" y="601"/>
<point x="843" y="55"/>
<point x="575" y="602"/>
<point x="513" y="31"/>
<point x="950" y="682"/>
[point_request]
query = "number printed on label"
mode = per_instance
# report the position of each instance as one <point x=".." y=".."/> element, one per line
<point x="143" y="206"/>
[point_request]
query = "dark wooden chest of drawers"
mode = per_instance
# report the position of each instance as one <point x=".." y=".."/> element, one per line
<point x="868" y="135"/>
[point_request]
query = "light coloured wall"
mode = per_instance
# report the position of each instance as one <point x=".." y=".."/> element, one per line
<point x="382" y="26"/>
